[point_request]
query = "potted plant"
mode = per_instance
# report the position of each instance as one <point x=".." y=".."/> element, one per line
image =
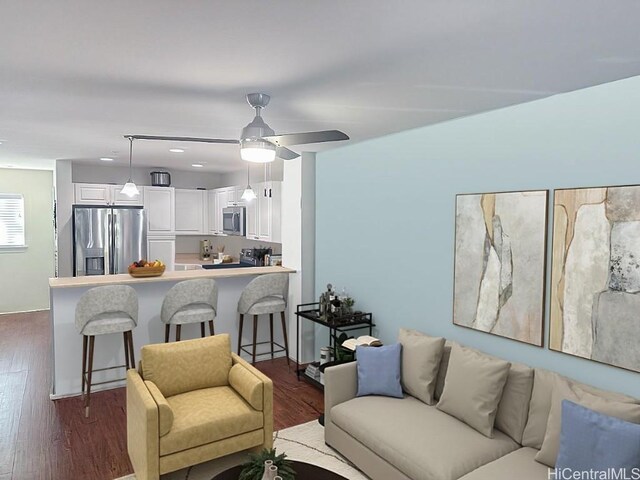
<point x="254" y="468"/>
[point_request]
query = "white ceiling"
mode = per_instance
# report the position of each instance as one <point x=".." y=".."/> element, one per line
<point x="77" y="75"/>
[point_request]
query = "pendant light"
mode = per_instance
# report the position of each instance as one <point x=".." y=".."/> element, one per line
<point x="248" y="193"/>
<point x="130" y="189"/>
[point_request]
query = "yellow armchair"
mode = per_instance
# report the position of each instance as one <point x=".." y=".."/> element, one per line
<point x="193" y="401"/>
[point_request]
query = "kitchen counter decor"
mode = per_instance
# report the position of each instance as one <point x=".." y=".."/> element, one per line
<point x="143" y="269"/>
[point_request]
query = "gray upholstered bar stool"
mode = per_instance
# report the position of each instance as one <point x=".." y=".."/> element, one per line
<point x="190" y="301"/>
<point x="101" y="311"/>
<point x="266" y="294"/>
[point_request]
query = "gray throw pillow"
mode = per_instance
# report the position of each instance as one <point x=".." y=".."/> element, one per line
<point x="473" y="388"/>
<point x="421" y="355"/>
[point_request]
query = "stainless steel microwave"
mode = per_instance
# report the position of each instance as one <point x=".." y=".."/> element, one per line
<point x="234" y="221"/>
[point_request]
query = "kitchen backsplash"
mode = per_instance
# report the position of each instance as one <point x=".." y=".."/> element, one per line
<point x="232" y="245"/>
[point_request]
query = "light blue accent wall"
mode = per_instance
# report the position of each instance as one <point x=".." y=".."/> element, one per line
<point x="385" y="207"/>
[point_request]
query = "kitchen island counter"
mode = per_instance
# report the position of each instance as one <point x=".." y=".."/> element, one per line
<point x="67" y="342"/>
<point x="125" y="278"/>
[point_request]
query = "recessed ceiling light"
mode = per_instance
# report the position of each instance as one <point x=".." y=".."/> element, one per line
<point x="106" y="159"/>
<point x="176" y="150"/>
<point x="197" y="165"/>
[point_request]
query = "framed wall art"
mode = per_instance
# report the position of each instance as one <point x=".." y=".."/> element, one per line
<point x="595" y="275"/>
<point x="500" y="256"/>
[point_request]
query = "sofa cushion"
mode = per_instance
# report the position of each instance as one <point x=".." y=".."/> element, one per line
<point x="379" y="370"/>
<point x="592" y="441"/>
<point x="421" y="355"/>
<point x="513" y="409"/>
<point x="208" y="415"/>
<point x="564" y="390"/>
<point x="180" y="367"/>
<point x="540" y="404"/>
<point x="519" y="464"/>
<point x="442" y="371"/>
<point x="473" y="388"/>
<point x="419" y="440"/>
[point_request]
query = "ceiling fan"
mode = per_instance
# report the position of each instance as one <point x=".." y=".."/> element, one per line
<point x="258" y="142"/>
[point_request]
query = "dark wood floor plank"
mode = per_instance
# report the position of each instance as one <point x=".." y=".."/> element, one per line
<point x="12" y="386"/>
<point x="55" y="441"/>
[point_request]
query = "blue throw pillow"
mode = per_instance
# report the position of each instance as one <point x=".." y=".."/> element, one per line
<point x="592" y="440"/>
<point x="379" y="370"/>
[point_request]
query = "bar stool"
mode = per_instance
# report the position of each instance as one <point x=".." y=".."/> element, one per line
<point x="264" y="294"/>
<point x="101" y="311"/>
<point x="190" y="301"/>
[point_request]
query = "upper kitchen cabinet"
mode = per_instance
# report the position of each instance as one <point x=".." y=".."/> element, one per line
<point x="213" y="215"/>
<point x="264" y="213"/>
<point x="102" y="194"/>
<point x="190" y="211"/>
<point x="159" y="202"/>
<point x="118" y="198"/>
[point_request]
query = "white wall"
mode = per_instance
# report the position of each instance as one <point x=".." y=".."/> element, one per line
<point x="141" y="176"/>
<point x="24" y="275"/>
<point x="64" y="201"/>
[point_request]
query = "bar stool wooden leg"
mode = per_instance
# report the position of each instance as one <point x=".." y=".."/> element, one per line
<point x="202" y="329"/>
<point x="126" y="349"/>
<point x="211" y="327"/>
<point x="284" y="334"/>
<point x="132" y="358"/>
<point x="255" y="337"/>
<point x="88" y="397"/>
<point x="271" y="331"/>
<point x="240" y="333"/>
<point x="84" y="362"/>
<point x="167" y="331"/>
<point x="178" y="328"/>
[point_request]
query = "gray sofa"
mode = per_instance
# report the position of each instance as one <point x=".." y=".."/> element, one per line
<point x="404" y="438"/>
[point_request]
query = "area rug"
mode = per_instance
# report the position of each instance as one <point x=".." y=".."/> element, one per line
<point x="303" y="442"/>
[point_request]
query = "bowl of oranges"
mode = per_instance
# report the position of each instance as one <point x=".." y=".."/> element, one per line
<point x="143" y="268"/>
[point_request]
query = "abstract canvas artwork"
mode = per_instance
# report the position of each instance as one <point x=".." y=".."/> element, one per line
<point x="595" y="275"/>
<point x="499" y="275"/>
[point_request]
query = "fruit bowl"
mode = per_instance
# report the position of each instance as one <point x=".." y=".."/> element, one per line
<point x="143" y="269"/>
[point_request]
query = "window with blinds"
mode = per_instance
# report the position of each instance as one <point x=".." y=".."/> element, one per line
<point x="11" y="220"/>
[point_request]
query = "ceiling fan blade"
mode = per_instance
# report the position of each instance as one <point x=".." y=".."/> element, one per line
<point x="181" y="139"/>
<point x="286" y="154"/>
<point x="288" y="139"/>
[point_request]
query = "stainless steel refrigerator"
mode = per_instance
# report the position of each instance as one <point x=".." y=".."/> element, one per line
<point x="107" y="239"/>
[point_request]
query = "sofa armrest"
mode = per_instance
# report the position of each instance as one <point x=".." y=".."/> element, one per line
<point x="143" y="437"/>
<point x="340" y="385"/>
<point x="165" y="413"/>
<point x="267" y="394"/>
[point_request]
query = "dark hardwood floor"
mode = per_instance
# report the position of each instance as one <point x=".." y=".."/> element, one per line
<point x="44" y="439"/>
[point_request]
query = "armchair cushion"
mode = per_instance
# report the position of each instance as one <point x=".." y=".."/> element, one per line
<point x="165" y="414"/>
<point x="188" y="365"/>
<point x="247" y="385"/>
<point x="208" y="415"/>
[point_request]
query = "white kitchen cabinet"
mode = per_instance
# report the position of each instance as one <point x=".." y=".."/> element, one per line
<point x="190" y="211"/>
<point x="163" y="249"/>
<point x="159" y="202"/>
<point x="264" y="213"/>
<point x="92" y="194"/>
<point x="118" y="198"/>
<point x="214" y="225"/>
<point x="103" y="194"/>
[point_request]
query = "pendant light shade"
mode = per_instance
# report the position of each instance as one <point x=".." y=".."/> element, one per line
<point x="130" y="189"/>
<point x="248" y="193"/>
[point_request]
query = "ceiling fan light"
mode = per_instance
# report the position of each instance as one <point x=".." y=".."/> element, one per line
<point x="248" y="194"/>
<point x="256" y="150"/>
<point x="130" y="189"/>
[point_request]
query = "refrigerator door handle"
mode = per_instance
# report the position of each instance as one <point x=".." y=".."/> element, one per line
<point x="107" y="245"/>
<point x="114" y="242"/>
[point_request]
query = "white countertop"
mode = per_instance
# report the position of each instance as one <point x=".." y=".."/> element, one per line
<point x="125" y="278"/>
